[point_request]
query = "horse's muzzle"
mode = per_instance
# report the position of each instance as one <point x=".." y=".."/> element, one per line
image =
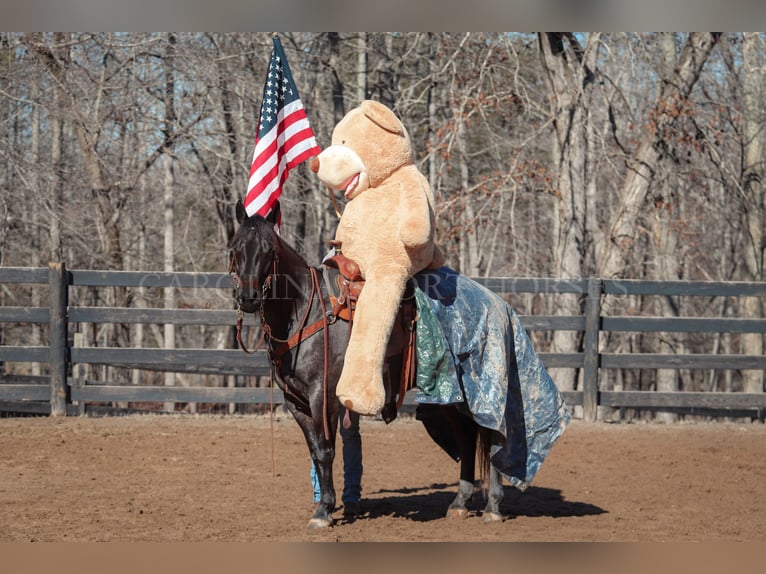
<point x="247" y="304"/>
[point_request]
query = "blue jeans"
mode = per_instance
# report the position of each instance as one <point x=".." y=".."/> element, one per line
<point x="352" y="461"/>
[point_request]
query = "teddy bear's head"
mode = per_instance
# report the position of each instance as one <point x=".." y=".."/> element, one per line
<point x="368" y="145"/>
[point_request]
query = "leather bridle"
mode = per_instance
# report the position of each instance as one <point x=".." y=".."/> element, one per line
<point x="302" y="333"/>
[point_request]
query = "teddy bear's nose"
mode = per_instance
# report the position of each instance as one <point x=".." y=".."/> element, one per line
<point x="314" y="164"/>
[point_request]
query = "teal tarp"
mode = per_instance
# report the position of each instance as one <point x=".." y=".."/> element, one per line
<point x="472" y="350"/>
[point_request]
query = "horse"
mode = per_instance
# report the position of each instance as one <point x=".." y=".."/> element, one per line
<point x="306" y="345"/>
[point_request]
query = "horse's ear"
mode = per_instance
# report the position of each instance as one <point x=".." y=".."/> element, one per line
<point x="240" y="210"/>
<point x="273" y="215"/>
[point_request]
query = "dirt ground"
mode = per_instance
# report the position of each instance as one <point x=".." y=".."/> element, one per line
<point x="210" y="478"/>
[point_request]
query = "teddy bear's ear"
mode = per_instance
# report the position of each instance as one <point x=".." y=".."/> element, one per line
<point x="382" y="116"/>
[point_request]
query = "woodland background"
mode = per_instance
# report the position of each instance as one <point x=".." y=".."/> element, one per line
<point x="618" y="155"/>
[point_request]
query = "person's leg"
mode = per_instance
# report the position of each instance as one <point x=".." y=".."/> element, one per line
<point x="352" y="459"/>
<point x="315" y="483"/>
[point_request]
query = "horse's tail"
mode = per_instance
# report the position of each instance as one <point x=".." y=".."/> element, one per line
<point x="483" y="444"/>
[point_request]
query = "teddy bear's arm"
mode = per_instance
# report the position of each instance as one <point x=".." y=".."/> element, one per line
<point x="416" y="221"/>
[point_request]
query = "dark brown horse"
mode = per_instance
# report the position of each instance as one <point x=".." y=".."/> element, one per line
<point x="306" y="345"/>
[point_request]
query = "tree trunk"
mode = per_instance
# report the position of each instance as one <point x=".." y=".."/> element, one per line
<point x="569" y="74"/>
<point x="338" y="103"/>
<point x="752" y="100"/>
<point x="387" y="78"/>
<point x="169" y="292"/>
<point x="224" y="191"/>
<point x="168" y="205"/>
<point x="433" y="140"/>
<point x="327" y="218"/>
<point x="666" y="245"/>
<point x="361" y="67"/>
<point x="140" y="293"/>
<point x="38" y="222"/>
<point x="55" y="58"/>
<point x="469" y="254"/>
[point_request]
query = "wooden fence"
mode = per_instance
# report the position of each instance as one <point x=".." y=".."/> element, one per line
<point x="64" y="393"/>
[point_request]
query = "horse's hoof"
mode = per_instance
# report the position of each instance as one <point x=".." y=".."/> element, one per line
<point x="492" y="517"/>
<point x="315" y="523"/>
<point x="459" y="513"/>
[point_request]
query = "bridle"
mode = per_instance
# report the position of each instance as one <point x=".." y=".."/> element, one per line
<point x="252" y="283"/>
<point x="303" y="332"/>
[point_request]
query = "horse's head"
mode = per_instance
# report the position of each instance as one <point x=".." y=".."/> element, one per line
<point x="252" y="257"/>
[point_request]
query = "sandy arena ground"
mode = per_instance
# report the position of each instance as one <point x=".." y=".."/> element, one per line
<point x="209" y="478"/>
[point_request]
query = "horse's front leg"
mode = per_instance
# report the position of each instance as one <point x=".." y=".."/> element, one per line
<point x="322" y="455"/>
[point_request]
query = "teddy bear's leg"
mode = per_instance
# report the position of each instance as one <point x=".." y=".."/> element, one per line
<point x="360" y="387"/>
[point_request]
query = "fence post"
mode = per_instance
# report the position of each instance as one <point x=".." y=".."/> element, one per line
<point x="78" y="377"/>
<point x="590" y="349"/>
<point x="58" y="293"/>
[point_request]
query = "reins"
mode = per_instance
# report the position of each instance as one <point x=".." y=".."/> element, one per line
<point x="302" y="333"/>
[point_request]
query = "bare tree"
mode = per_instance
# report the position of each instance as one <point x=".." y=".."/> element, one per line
<point x="752" y="185"/>
<point x="570" y="73"/>
<point x="56" y="59"/>
<point x="670" y="105"/>
<point x="361" y="67"/>
<point x="169" y="199"/>
<point x="665" y="240"/>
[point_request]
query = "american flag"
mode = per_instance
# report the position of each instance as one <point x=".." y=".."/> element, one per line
<point x="284" y="137"/>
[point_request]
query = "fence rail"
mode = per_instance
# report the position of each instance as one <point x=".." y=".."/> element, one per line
<point x="61" y="390"/>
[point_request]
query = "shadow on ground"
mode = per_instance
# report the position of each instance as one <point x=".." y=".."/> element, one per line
<point x="426" y="503"/>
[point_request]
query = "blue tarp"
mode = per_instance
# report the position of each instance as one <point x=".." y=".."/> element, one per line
<point x="472" y="350"/>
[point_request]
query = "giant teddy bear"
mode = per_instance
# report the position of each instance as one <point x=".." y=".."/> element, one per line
<point x="387" y="228"/>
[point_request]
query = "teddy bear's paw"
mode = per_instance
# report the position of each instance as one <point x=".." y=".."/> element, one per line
<point x="359" y="407"/>
<point x="365" y="400"/>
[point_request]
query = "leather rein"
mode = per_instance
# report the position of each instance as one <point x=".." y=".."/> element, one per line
<point x="302" y="333"/>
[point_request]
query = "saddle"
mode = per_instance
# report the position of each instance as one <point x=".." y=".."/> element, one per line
<point x="401" y="343"/>
<point x="349" y="283"/>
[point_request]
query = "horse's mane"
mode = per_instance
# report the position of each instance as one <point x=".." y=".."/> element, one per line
<point x="265" y="232"/>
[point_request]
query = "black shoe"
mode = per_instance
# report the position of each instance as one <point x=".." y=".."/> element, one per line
<point x="352" y="508"/>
